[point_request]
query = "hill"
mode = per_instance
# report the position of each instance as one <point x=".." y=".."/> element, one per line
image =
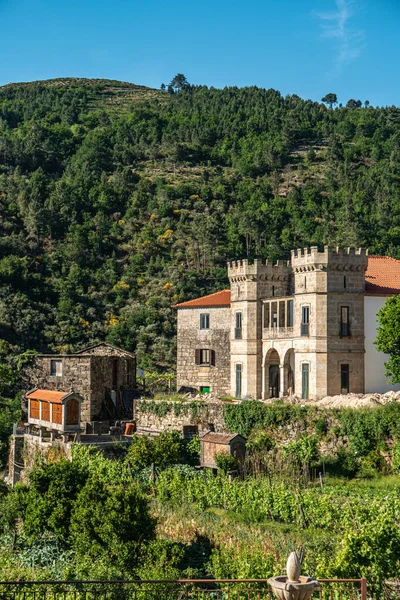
<point x="117" y="201"/>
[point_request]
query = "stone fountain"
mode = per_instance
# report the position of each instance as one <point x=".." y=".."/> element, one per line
<point x="293" y="586"/>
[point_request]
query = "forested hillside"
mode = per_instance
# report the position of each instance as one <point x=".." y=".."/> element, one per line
<point x="118" y="201"/>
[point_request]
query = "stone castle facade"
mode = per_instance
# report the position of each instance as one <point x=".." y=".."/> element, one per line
<point x="295" y="327"/>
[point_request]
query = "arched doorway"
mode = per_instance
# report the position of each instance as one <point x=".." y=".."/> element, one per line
<point x="289" y="373"/>
<point x="272" y="379"/>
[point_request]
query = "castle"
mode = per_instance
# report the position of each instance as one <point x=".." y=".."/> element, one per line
<point x="304" y="326"/>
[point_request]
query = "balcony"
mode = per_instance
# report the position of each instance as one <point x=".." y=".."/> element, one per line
<point x="272" y="333"/>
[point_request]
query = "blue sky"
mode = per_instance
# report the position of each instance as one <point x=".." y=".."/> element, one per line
<point x="304" y="47"/>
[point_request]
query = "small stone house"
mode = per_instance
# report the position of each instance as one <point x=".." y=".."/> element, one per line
<point x="212" y="443"/>
<point x="104" y="375"/>
<point x="303" y="327"/>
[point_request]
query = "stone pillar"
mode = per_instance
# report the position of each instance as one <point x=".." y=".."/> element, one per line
<point x="264" y="390"/>
<point x="281" y="380"/>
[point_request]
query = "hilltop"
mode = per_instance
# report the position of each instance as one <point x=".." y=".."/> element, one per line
<point x="101" y="91"/>
<point x="118" y="201"/>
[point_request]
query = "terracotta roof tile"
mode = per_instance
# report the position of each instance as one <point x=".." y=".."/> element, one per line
<point x="222" y="298"/>
<point x="382" y="276"/>
<point x="47" y="395"/>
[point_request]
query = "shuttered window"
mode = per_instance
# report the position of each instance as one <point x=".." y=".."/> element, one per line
<point x="205" y="356"/>
<point x="56" y="368"/>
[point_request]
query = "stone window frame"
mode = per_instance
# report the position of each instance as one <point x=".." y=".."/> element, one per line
<point x="53" y="371"/>
<point x="345" y="361"/>
<point x="199" y="357"/>
<point x="238" y="330"/>
<point x="309" y="363"/>
<point x="340" y="306"/>
<point x="306" y="361"/>
<point x="304" y="305"/>
<point x="340" y="365"/>
<point x="204" y="316"/>
<point x="237" y="364"/>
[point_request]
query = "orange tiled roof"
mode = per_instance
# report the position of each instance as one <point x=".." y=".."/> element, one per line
<point x="382" y="275"/>
<point x="212" y="300"/>
<point x="47" y="395"/>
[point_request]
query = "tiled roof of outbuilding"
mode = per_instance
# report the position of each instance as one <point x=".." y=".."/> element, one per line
<point x="47" y="395"/>
<point x="222" y="298"/>
<point x="382" y="276"/>
<point x="220" y="438"/>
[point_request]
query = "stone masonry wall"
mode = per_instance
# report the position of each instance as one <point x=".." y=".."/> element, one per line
<point x="192" y="338"/>
<point x="75" y="373"/>
<point x="206" y="416"/>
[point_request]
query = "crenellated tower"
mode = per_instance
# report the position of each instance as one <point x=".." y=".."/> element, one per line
<point x="329" y="288"/>
<point x="250" y="282"/>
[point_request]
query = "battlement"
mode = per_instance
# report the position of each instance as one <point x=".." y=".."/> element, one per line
<point x="257" y="269"/>
<point x="329" y="257"/>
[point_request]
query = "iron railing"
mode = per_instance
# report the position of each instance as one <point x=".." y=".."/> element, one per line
<point x="183" y="589"/>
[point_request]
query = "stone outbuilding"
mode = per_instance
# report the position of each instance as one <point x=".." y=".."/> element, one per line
<point x="212" y="443"/>
<point x="57" y="412"/>
<point x="103" y="375"/>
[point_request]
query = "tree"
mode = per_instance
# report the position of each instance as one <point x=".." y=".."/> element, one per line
<point x="163" y="87"/>
<point x="178" y="82"/>
<point x="52" y="493"/>
<point x="353" y="103"/>
<point x="330" y="99"/>
<point x="388" y="336"/>
<point x="111" y="522"/>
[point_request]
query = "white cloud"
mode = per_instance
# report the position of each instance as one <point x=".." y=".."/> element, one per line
<point x="338" y="25"/>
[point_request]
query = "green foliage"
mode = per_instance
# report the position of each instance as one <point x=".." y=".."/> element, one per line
<point x="163" y="450"/>
<point x="111" y="521"/>
<point x="118" y="201"/>
<point x="226" y="462"/>
<point x="250" y="415"/>
<point x="259" y="441"/>
<point x="388" y="336"/>
<point x="52" y="493"/>
<point x="303" y="451"/>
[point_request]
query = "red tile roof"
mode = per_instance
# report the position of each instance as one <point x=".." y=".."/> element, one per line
<point x="382" y="276"/>
<point x="47" y="395"/>
<point x="212" y="300"/>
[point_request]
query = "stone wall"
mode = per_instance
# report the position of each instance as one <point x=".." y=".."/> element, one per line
<point x="191" y="338"/>
<point x="75" y="373"/>
<point x="206" y="416"/>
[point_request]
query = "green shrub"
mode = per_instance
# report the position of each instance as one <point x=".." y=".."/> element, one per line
<point x="111" y="521"/>
<point x="225" y="462"/>
<point x="162" y="450"/>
